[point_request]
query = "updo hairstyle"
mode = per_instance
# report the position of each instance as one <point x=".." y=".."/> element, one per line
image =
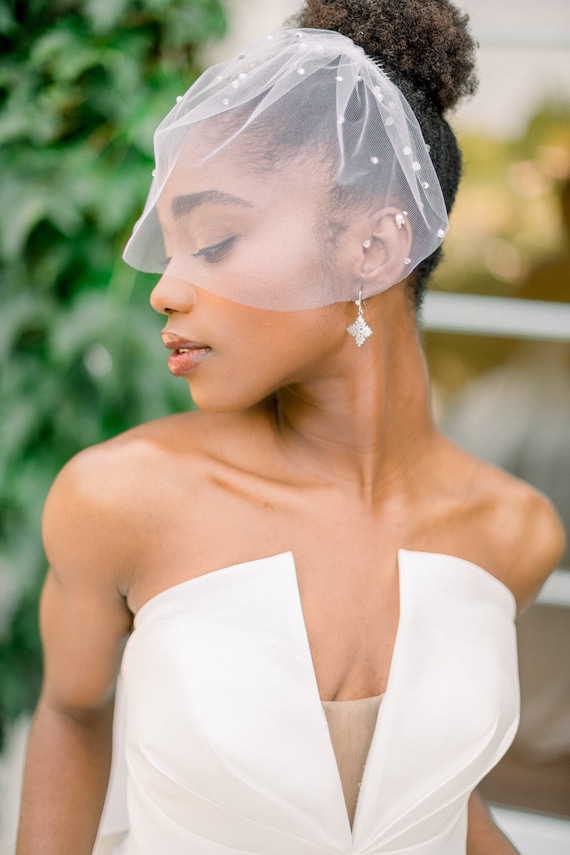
<point x="425" y="48"/>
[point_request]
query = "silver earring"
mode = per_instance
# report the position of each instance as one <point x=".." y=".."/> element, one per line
<point x="359" y="330"/>
<point x="400" y="220"/>
<point x="367" y="244"/>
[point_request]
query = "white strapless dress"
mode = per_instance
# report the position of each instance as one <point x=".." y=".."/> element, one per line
<point x="227" y="744"/>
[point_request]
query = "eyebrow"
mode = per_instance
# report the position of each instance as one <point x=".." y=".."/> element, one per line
<point x="182" y="205"/>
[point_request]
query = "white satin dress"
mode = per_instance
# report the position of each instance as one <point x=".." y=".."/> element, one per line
<point x="227" y="742"/>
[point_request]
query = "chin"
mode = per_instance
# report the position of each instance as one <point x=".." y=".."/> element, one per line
<point x="224" y="401"/>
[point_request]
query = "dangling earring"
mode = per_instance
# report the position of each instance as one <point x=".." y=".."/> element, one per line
<point x="359" y="330"/>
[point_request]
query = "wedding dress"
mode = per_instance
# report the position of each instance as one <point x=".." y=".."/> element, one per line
<point x="227" y="742"/>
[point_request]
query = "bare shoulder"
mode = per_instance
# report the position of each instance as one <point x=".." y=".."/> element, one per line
<point x="515" y="527"/>
<point x="101" y="503"/>
<point x="115" y="470"/>
<point x="99" y="520"/>
<point x="531" y="533"/>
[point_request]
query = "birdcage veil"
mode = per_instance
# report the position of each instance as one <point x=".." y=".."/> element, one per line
<point x="292" y="95"/>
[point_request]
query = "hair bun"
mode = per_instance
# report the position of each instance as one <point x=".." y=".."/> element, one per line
<point x="426" y="41"/>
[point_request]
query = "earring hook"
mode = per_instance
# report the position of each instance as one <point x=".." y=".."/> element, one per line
<point x="359" y="330"/>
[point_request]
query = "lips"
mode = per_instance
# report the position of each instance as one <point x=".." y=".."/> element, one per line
<point x="186" y="354"/>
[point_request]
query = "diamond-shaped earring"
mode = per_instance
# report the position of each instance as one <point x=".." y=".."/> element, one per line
<point x="359" y="330"/>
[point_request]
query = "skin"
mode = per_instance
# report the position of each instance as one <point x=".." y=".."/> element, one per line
<point x="303" y="443"/>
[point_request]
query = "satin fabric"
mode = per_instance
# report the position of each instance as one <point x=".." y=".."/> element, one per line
<point x="227" y="742"/>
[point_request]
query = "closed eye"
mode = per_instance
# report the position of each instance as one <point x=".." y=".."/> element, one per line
<point x="216" y="252"/>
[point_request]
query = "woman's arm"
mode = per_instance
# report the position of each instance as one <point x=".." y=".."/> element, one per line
<point x="65" y="781"/>
<point x="533" y="537"/>
<point x="84" y="623"/>
<point x="483" y="836"/>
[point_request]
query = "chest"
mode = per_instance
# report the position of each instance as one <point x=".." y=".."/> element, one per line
<point x="346" y="564"/>
<point x="346" y="571"/>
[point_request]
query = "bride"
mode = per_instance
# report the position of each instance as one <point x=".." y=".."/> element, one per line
<point x="310" y="589"/>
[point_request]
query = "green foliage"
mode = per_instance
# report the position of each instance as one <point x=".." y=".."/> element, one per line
<point x="83" y="84"/>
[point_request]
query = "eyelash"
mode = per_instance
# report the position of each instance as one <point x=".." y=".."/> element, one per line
<point x="217" y="252"/>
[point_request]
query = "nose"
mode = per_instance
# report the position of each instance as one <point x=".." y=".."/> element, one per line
<point x="171" y="294"/>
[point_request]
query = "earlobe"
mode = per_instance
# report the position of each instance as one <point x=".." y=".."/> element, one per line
<point x="385" y="254"/>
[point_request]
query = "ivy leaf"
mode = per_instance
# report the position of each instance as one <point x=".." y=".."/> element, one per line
<point x="83" y="83"/>
<point x="103" y="15"/>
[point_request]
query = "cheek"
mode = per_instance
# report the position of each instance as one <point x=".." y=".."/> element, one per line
<point x="285" y="347"/>
<point x="286" y="272"/>
<point x="246" y="368"/>
<point x="259" y="352"/>
<point x="268" y="349"/>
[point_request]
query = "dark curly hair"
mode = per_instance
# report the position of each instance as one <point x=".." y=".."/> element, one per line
<point x="426" y="49"/>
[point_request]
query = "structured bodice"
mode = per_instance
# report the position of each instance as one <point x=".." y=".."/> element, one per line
<point x="227" y="742"/>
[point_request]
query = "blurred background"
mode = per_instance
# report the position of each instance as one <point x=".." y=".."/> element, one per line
<point x="83" y="83"/>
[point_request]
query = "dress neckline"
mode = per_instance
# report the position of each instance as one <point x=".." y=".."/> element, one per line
<point x="173" y="589"/>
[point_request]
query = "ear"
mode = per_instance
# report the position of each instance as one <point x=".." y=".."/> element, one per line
<point x="385" y="250"/>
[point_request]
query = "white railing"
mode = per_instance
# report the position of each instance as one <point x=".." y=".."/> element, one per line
<point x="496" y="316"/>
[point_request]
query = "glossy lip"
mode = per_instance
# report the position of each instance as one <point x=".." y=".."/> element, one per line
<point x="186" y="354"/>
<point x="176" y="342"/>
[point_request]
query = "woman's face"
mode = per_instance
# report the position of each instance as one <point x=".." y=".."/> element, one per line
<point x="235" y="236"/>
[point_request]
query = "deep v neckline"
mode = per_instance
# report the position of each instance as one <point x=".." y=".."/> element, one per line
<point x="351" y="830"/>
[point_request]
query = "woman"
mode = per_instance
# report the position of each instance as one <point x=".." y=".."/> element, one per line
<point x="319" y="661"/>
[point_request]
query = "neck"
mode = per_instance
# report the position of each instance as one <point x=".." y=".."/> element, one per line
<point x="364" y="420"/>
